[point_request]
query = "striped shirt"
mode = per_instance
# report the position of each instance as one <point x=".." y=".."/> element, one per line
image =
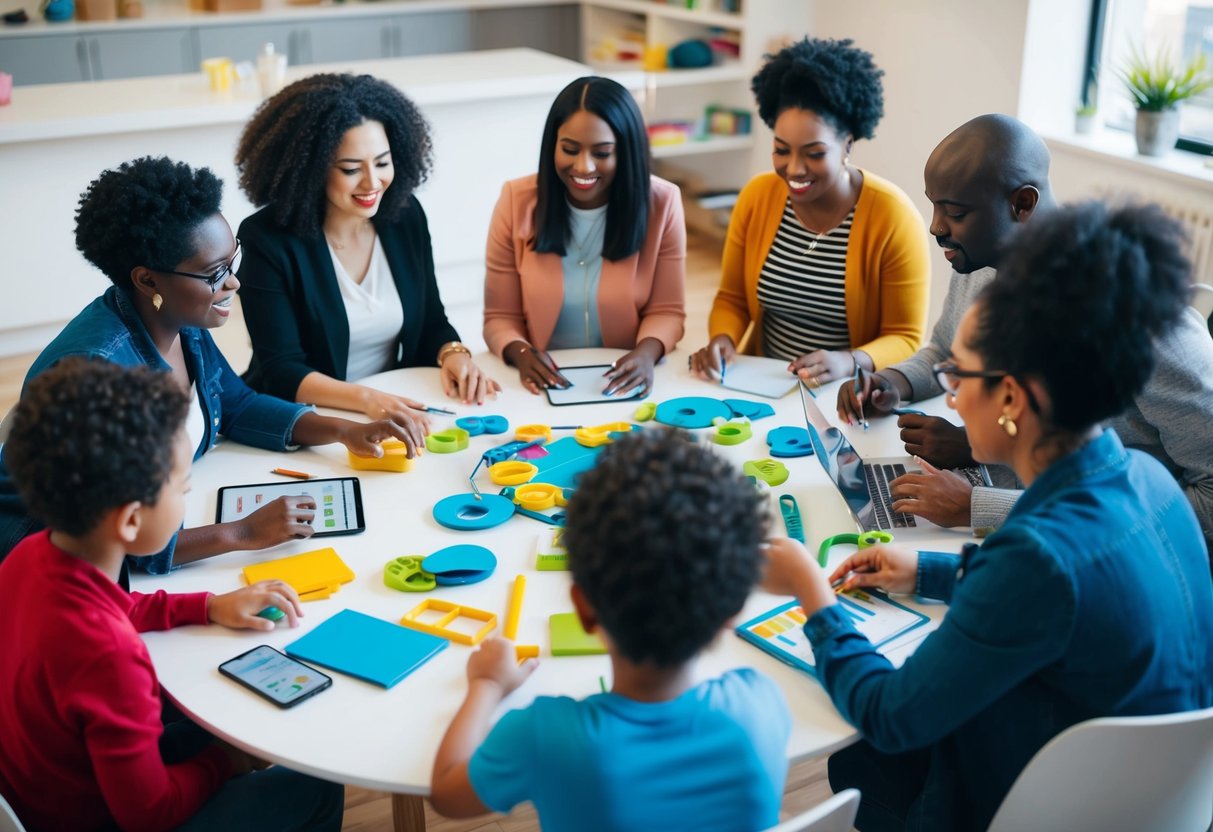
<point x="801" y="289"/>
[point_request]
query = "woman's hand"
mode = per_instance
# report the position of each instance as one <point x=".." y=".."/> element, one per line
<point x="943" y="497"/>
<point x="877" y="396"/>
<point x="791" y="570"/>
<point x="891" y="568"/>
<point x="936" y="440"/>
<point x="363" y="438"/>
<point x="635" y="369"/>
<point x="238" y="610"/>
<point x="706" y="363"/>
<point x="536" y="369"/>
<point x="823" y="366"/>
<point x="495" y="662"/>
<point x="462" y="379"/>
<point x="408" y="413"/>
<point x="280" y="520"/>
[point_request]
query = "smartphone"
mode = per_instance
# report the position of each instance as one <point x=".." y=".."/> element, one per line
<point x="275" y="676"/>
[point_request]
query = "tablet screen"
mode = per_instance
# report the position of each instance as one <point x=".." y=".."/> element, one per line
<point x="338" y="502"/>
<point x="586" y="387"/>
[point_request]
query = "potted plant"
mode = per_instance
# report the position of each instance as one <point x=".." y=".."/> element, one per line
<point x="1084" y="119"/>
<point x="1157" y="87"/>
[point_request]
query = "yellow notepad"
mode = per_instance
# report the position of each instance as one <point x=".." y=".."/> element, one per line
<point x="309" y="572"/>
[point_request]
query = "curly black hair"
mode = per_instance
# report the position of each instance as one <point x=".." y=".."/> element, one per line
<point x="1078" y="302"/>
<point x="144" y="213"/>
<point x="829" y="77"/>
<point x="663" y="539"/>
<point x="88" y="436"/>
<point x="287" y="148"/>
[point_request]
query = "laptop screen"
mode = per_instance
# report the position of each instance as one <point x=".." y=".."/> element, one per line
<point x="841" y="462"/>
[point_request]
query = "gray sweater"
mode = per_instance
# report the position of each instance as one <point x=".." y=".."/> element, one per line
<point x="1171" y="419"/>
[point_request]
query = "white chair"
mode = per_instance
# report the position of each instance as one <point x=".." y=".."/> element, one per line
<point x="1202" y="299"/>
<point x="834" y="815"/>
<point x="8" y="818"/>
<point x="1119" y="773"/>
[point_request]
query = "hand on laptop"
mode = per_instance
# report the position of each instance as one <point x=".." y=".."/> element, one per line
<point x="936" y="440"/>
<point x="943" y="497"/>
<point x="877" y="396"/>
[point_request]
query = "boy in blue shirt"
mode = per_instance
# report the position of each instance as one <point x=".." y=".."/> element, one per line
<point x="659" y="525"/>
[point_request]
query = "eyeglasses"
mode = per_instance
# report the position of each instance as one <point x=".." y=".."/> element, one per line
<point x="213" y="280"/>
<point x="949" y="375"/>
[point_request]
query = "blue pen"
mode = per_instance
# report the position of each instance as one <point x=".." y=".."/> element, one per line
<point x="907" y="411"/>
<point x="722" y="369"/>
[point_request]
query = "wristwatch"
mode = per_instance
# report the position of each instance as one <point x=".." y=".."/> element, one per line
<point x="450" y="347"/>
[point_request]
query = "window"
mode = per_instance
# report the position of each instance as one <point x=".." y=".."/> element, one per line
<point x="1183" y="28"/>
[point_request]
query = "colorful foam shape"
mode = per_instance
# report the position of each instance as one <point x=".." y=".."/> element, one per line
<point x="790" y="442"/>
<point x="512" y="472"/>
<point x="529" y="433"/>
<point x="537" y="496"/>
<point x="315" y="572"/>
<point x="476" y="425"/>
<point x="569" y="639"/>
<point x="566" y="459"/>
<point x="460" y="564"/>
<point x="691" y="412"/>
<point x="447" y="441"/>
<point x="645" y="412"/>
<point x="394" y="459"/>
<point x="366" y="647"/>
<point x="767" y="470"/>
<point x="501" y="453"/>
<point x="452" y="612"/>
<point x="748" y="409"/>
<point x="406" y="575"/>
<point x="732" y="433"/>
<point x="466" y="513"/>
<point x="593" y="437"/>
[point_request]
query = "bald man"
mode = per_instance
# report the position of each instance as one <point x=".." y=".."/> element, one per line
<point x="984" y="179"/>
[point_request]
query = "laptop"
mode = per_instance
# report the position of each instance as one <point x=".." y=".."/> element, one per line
<point x="864" y="483"/>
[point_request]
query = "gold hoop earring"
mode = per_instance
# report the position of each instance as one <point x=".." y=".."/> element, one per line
<point x="1008" y="424"/>
<point x="157" y="301"/>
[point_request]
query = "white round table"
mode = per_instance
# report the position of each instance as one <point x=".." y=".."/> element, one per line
<point x="359" y="733"/>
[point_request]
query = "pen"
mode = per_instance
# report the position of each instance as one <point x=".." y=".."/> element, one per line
<point x="858" y="390"/>
<point x="428" y="409"/>
<point x="723" y="365"/>
<point x="287" y="472"/>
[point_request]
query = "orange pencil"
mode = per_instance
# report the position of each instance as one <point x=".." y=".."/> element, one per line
<point x="287" y="472"/>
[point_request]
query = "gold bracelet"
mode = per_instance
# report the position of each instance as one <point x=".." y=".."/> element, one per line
<point x="450" y="347"/>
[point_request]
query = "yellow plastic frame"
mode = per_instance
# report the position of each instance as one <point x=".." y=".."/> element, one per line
<point x="453" y="612"/>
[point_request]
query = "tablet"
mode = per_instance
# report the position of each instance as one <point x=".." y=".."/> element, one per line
<point x="586" y="384"/>
<point x="338" y="502"/>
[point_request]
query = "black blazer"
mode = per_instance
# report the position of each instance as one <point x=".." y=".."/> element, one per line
<point x="294" y="311"/>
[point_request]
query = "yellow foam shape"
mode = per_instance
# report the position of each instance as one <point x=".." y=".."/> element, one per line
<point x="394" y="458"/>
<point x="318" y="594"/>
<point x="529" y="433"/>
<point x="453" y="611"/>
<point x="310" y="572"/>
<point x="526" y="651"/>
<point x="600" y="434"/>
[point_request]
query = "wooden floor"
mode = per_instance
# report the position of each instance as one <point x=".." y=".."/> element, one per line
<point x="371" y="811"/>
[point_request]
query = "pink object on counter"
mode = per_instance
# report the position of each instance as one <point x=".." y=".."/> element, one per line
<point x="6" y="88"/>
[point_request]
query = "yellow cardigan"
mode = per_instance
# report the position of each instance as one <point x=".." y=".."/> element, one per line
<point x="888" y="269"/>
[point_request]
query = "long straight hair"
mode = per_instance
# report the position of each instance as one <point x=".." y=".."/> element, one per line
<point x="627" y="216"/>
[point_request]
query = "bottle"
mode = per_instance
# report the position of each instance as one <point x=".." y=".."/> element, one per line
<point x="271" y="70"/>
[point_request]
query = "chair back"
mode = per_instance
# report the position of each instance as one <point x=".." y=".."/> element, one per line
<point x="8" y="818"/>
<point x="1130" y="773"/>
<point x="1202" y="299"/>
<point x="834" y="815"/>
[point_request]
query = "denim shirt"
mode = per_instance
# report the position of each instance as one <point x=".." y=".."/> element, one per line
<point x="1092" y="600"/>
<point x="109" y="328"/>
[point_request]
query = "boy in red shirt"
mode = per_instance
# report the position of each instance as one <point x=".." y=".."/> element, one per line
<point x="100" y="455"/>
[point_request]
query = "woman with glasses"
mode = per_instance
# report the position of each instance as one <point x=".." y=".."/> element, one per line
<point x="338" y="277"/>
<point x="825" y="265"/>
<point x="153" y="227"/>
<point x="1092" y="600"/>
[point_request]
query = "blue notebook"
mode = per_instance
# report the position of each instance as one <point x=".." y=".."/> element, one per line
<point x="780" y="631"/>
<point x="367" y="647"/>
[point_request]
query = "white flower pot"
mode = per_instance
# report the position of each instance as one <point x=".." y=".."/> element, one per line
<point x="1157" y="132"/>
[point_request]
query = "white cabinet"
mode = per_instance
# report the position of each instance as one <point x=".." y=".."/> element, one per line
<point x="50" y="59"/>
<point x="62" y="58"/>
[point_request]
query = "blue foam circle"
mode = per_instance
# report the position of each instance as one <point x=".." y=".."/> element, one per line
<point x="692" y="412"/>
<point x="476" y="425"/>
<point x="463" y="557"/>
<point x="750" y="410"/>
<point x="790" y="442"/>
<point x="464" y="513"/>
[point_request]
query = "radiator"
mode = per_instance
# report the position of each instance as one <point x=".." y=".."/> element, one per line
<point x="1197" y="222"/>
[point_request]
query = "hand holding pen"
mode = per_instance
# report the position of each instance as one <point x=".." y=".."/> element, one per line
<point x="710" y="362"/>
<point x="536" y="369"/>
<point x="859" y="397"/>
<point x="871" y="394"/>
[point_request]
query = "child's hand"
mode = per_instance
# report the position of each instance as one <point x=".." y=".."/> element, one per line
<point x="791" y="570"/>
<point x="495" y="662"/>
<point x="238" y="610"/>
<point x="891" y="568"/>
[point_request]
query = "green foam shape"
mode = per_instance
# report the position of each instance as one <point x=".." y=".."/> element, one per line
<point x="447" y="441"/>
<point x="569" y="639"/>
<point x="768" y="470"/>
<point x="645" y="412"/>
<point x="406" y="575"/>
<point x="552" y="561"/>
<point x="732" y="433"/>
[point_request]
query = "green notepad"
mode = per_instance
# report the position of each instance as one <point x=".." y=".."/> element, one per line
<point x="367" y="647"/>
<point x="569" y="639"/>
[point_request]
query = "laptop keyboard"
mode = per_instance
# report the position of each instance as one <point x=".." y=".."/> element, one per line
<point x="879" y="477"/>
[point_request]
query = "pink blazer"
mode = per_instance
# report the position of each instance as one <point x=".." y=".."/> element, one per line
<point x="640" y="297"/>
